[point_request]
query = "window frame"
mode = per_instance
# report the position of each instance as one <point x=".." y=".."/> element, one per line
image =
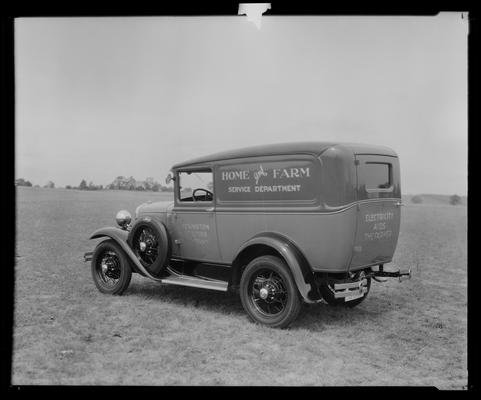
<point x="390" y="188"/>
<point x="178" y="199"/>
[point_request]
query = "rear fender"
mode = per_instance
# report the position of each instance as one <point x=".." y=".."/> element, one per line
<point x="295" y="260"/>
<point x="120" y="236"/>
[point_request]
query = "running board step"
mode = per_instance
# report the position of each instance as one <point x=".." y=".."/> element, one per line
<point x="191" y="281"/>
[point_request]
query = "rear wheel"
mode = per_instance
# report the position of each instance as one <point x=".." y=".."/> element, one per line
<point x="110" y="267"/>
<point x="268" y="292"/>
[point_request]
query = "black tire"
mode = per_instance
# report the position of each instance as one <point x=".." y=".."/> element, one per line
<point x="110" y="267"/>
<point x="150" y="242"/>
<point x="328" y="295"/>
<point x="269" y="276"/>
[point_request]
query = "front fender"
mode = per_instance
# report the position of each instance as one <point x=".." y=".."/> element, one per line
<point x="294" y="258"/>
<point x="120" y="236"/>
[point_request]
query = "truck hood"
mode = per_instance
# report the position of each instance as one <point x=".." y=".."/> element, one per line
<point x="154" y="207"/>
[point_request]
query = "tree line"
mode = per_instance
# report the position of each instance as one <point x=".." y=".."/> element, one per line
<point x="24" y="182"/>
<point x="453" y="200"/>
<point x="123" y="183"/>
<point x="119" y="183"/>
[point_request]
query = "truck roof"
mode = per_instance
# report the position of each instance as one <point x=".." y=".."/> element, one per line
<point x="310" y="148"/>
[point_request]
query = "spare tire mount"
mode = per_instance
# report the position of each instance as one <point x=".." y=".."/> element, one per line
<point x="150" y="243"/>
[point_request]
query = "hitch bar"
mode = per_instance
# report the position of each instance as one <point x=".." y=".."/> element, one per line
<point x="402" y="274"/>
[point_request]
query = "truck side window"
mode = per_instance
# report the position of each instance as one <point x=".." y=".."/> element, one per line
<point x="196" y="186"/>
<point x="376" y="175"/>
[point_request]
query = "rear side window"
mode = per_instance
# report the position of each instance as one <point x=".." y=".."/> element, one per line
<point x="376" y="176"/>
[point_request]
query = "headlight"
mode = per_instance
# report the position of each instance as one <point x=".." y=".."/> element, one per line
<point x="123" y="218"/>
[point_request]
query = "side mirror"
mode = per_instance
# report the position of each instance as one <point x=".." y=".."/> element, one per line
<point x="169" y="179"/>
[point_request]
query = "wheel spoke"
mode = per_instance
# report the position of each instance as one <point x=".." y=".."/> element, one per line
<point x="257" y="285"/>
<point x="276" y="308"/>
<point x="277" y="300"/>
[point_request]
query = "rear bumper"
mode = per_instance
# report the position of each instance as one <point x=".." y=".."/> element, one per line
<point x="353" y="290"/>
<point x="350" y="290"/>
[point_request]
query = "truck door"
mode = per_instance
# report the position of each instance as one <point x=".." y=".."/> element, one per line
<point x="378" y="210"/>
<point x="192" y="221"/>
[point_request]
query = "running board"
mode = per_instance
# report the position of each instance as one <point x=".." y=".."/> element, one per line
<point x="191" y="281"/>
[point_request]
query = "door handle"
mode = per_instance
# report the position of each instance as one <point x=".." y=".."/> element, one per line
<point x="210" y="209"/>
<point x="399" y="204"/>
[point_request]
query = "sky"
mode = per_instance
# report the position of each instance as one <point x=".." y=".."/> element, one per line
<point x="101" y="97"/>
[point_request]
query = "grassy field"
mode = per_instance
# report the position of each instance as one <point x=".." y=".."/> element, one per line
<point x="66" y="332"/>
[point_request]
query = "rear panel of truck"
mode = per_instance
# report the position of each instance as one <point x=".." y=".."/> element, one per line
<point x="378" y="210"/>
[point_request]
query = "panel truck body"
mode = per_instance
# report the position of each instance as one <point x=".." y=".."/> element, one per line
<point x="281" y="225"/>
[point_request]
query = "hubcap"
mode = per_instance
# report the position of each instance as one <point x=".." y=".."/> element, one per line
<point x="264" y="293"/>
<point x="142" y="246"/>
<point x="105" y="267"/>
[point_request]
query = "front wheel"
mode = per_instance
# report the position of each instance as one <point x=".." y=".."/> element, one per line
<point x="111" y="269"/>
<point x="268" y="292"/>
